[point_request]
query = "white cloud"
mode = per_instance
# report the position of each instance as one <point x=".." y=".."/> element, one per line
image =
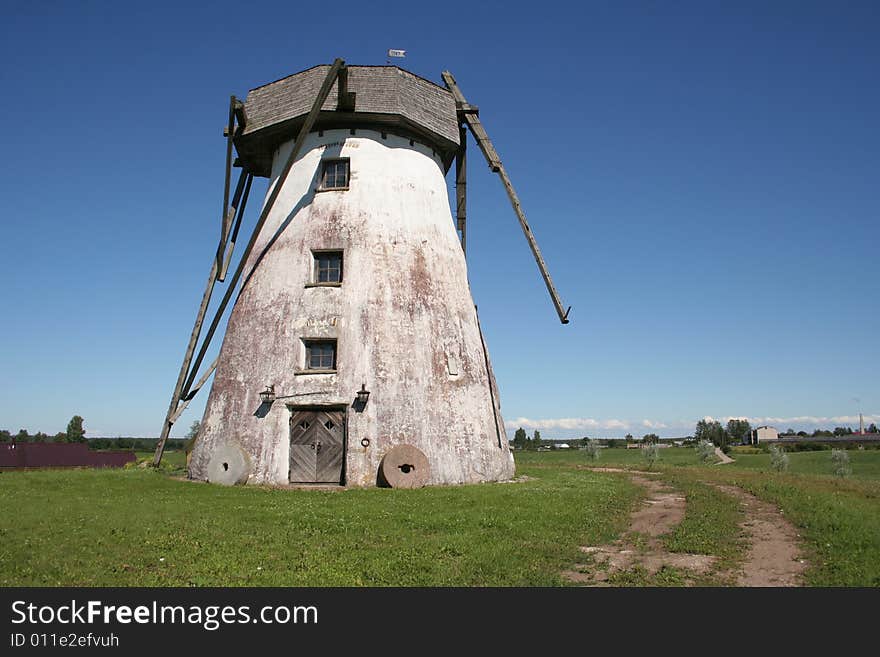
<point x="812" y="420"/>
<point x="567" y="426"/>
<point x="566" y="423"/>
<point x="799" y="420"/>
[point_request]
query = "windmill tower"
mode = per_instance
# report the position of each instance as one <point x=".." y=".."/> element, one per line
<point x="353" y="353"/>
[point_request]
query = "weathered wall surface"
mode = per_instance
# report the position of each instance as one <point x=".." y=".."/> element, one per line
<point x="403" y="317"/>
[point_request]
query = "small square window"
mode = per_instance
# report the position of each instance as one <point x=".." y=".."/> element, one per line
<point x="334" y="174"/>
<point x="320" y="354"/>
<point x="328" y="267"/>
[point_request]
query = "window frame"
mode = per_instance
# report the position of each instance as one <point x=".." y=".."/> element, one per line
<point x="309" y="344"/>
<point x="325" y="163"/>
<point x="316" y="255"/>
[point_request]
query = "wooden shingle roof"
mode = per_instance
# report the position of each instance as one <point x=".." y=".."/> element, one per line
<point x="386" y="98"/>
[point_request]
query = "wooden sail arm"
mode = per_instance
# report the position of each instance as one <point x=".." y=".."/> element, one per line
<point x="190" y="366"/>
<point x="267" y="208"/>
<point x="237" y="122"/>
<point x="192" y="393"/>
<point x="469" y="115"/>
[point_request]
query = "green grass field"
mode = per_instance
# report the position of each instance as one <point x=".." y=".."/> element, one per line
<point x="172" y="460"/>
<point x="839" y="518"/>
<point x="138" y="527"/>
<point x="865" y="463"/>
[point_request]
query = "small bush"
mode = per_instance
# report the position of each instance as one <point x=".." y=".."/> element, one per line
<point x="840" y="459"/>
<point x="705" y="451"/>
<point x="778" y="458"/>
<point x="592" y="450"/>
<point x="651" y="454"/>
<point x="808" y="447"/>
<point x="745" y="449"/>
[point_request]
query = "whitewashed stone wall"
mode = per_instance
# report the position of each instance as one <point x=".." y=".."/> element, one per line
<point x="403" y="317"/>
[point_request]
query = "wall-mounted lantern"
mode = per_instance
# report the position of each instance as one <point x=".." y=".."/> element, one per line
<point x="267" y="396"/>
<point x="363" y="395"/>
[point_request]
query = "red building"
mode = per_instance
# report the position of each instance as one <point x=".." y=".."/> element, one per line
<point x="19" y="456"/>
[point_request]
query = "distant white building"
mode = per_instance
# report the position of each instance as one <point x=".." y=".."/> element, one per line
<point x="762" y="434"/>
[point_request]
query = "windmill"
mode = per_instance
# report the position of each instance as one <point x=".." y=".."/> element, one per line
<point x="353" y="353"/>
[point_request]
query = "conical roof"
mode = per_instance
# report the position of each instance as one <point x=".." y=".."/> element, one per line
<point x="387" y="98"/>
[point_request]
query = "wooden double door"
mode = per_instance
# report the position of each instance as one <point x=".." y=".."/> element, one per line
<point x="317" y="446"/>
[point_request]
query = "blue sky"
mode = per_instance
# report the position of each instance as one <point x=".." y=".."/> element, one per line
<point x="702" y="179"/>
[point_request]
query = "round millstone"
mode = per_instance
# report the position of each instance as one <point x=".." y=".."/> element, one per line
<point x="229" y="465"/>
<point x="405" y="466"/>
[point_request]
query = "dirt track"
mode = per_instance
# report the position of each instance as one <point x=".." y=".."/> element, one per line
<point x="774" y="554"/>
<point x="773" y="551"/>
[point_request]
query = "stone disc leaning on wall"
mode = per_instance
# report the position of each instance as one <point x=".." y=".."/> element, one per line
<point x="229" y="465"/>
<point x="404" y="466"/>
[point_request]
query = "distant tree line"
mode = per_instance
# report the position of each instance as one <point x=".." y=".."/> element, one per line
<point x="77" y="434"/>
<point x="137" y="444"/>
<point x="737" y="431"/>
<point x="521" y="440"/>
<point x="837" y="431"/>
<point x="714" y="432"/>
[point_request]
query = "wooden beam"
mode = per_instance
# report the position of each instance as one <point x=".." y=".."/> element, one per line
<point x="184" y="367"/>
<point x="173" y="411"/>
<point x="231" y="247"/>
<point x="194" y="391"/>
<point x="231" y="211"/>
<point x="468" y="115"/>
<point x="461" y="187"/>
<point x="344" y="98"/>
<point x="267" y="208"/>
<point x="229" y="133"/>
<point x="240" y="117"/>
<point x="493" y="385"/>
<point x="184" y="382"/>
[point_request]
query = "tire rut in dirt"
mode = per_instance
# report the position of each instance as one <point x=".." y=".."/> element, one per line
<point x="642" y="546"/>
<point x="774" y="552"/>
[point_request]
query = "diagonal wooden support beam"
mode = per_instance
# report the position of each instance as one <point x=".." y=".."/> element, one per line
<point x="229" y="133"/>
<point x="184" y="383"/>
<point x="461" y="187"/>
<point x="232" y="239"/>
<point x="184" y="367"/>
<point x="493" y="384"/>
<point x="468" y="114"/>
<point x="240" y="116"/>
<point x="345" y="99"/>
<point x="267" y="208"/>
<point x="173" y="410"/>
<point x="192" y="393"/>
<point x="231" y="212"/>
